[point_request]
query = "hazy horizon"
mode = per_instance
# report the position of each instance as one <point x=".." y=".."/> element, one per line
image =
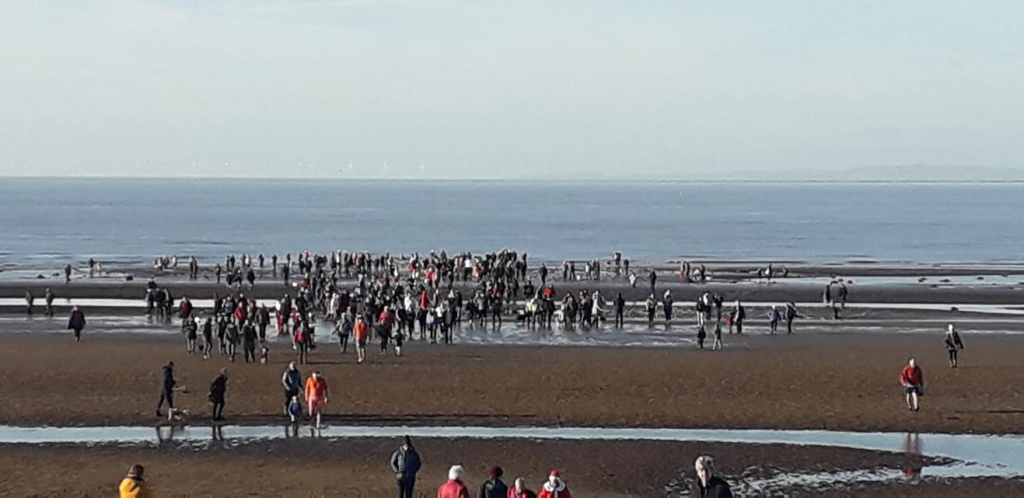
<point x="451" y="89"/>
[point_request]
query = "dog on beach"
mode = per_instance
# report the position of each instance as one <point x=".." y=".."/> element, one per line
<point x="265" y="355"/>
<point x="177" y="415"/>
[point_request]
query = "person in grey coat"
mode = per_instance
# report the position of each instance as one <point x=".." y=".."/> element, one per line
<point x="406" y="463"/>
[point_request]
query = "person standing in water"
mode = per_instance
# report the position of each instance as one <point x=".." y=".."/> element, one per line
<point x="48" y="299"/>
<point x="791" y="314"/>
<point x="77" y="322"/>
<point x="652" y="307"/>
<point x="912" y="380"/>
<point x="718" y="337"/>
<point x="953" y="345"/>
<point x="620" y="310"/>
<point x="739" y="315"/>
<point x="667" y="304"/>
<point x="29" y="302"/>
<point x="653" y="279"/>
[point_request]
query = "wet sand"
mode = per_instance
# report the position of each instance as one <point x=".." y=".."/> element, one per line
<point x="836" y="381"/>
<point x="307" y="467"/>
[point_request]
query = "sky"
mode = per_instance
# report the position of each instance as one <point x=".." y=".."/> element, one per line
<point x="521" y="89"/>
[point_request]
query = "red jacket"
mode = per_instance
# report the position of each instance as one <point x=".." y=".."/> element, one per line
<point x="912" y="376"/>
<point x="549" y="491"/>
<point x="240" y="314"/>
<point x="452" y="489"/>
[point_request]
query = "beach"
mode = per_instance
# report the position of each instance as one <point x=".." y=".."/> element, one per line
<point x="830" y="375"/>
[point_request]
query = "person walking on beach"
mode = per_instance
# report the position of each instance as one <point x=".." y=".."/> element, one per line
<point x="76" y="322"/>
<point x="653" y="279"/>
<point x="190" y="329"/>
<point x="953" y="345"/>
<point x="520" y="490"/>
<point x="361" y="334"/>
<point x="29" y="302"/>
<point x="912" y="380"/>
<point x="652" y="307"/>
<point x="708" y="485"/>
<point x="67" y="273"/>
<point x="667" y="305"/>
<point x="291" y="380"/>
<point x="620" y="310"/>
<point x="249" y="337"/>
<point x="218" y="394"/>
<point x="406" y="463"/>
<point x="233" y="339"/>
<point x="166" y="388"/>
<point x="701" y="336"/>
<point x="453" y="488"/>
<point x="774" y="317"/>
<point x="791" y="314"/>
<point x="134" y="484"/>
<point x="48" y="299"/>
<point x="555" y="487"/>
<point x="718" y="337"/>
<point x="829" y="301"/>
<point x="494" y="487"/>
<point x="207" y="338"/>
<point x="739" y="315"/>
<point x="316" y="396"/>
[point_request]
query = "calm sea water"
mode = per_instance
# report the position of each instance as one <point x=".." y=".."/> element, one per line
<point x="45" y="220"/>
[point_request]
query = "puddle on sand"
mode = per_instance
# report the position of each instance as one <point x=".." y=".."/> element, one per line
<point x="974" y="455"/>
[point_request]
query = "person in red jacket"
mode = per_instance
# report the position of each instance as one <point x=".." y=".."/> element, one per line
<point x="912" y="380"/>
<point x="555" y="487"/>
<point x="519" y="490"/>
<point x="454" y="488"/>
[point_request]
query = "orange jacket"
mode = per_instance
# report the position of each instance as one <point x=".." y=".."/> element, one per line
<point x="360" y="331"/>
<point x="316" y="388"/>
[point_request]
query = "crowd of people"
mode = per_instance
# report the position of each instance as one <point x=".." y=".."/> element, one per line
<point x="406" y="463"/>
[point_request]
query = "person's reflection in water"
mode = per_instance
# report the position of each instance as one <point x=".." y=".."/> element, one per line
<point x="912" y="461"/>
<point x="218" y="433"/>
<point x="167" y="433"/>
<point x="164" y="433"/>
<point x="291" y="430"/>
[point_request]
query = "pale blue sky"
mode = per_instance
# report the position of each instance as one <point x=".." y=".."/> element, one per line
<point x="519" y="89"/>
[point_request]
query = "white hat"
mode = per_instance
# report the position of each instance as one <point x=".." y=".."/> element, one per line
<point x="455" y="473"/>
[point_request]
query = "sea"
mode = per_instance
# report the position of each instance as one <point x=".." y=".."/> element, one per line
<point x="47" y="222"/>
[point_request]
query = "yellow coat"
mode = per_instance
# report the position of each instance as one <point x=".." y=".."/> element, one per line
<point x="134" y="488"/>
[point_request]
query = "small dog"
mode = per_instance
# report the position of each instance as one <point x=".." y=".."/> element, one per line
<point x="265" y="355"/>
<point x="177" y="415"/>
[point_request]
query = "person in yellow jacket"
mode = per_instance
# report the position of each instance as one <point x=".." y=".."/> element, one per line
<point x="134" y="485"/>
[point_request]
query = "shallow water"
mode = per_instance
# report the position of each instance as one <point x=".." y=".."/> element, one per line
<point x="974" y="455"/>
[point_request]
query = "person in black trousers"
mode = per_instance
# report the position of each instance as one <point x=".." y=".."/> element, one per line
<point x="166" y="388"/>
<point x="620" y="310"/>
<point x="218" y="394"/>
<point x="405" y="463"/>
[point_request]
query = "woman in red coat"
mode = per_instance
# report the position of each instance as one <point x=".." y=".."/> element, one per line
<point x="454" y="488"/>
<point x="555" y="487"/>
<point x="519" y="490"/>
